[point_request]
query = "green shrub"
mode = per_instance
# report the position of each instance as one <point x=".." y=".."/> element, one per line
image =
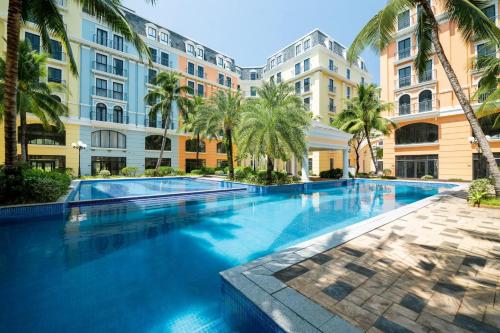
<point x="480" y="189"/>
<point x="178" y="172"/>
<point x="427" y="177"/>
<point x="363" y="175"/>
<point x="389" y="177"/>
<point x="104" y="173"/>
<point x="219" y="173"/>
<point x="241" y="173"/>
<point x="455" y="180"/>
<point x="129" y="171"/>
<point x="165" y="171"/>
<point x="207" y="171"/>
<point x="332" y="173"/>
<point x="150" y="173"/>
<point x="196" y="172"/>
<point x="386" y="172"/>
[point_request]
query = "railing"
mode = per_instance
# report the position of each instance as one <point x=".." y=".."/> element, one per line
<point x="411" y="20"/>
<point x="333" y="68"/>
<point x="196" y="73"/>
<point x="120" y="71"/>
<point x="121" y="96"/>
<point x="414" y="79"/>
<point x="56" y="80"/>
<point x="110" y="43"/>
<point x="109" y="117"/>
<point x="332" y="89"/>
<point x="405" y="53"/>
<point x="155" y="123"/>
<point x="57" y="55"/>
<point x="332" y="108"/>
<point x="418" y="107"/>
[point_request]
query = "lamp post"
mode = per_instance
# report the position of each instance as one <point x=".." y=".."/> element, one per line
<point x="79" y="145"/>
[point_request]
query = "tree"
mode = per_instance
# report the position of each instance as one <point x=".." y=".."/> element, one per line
<point x="45" y="16"/>
<point x="162" y="99"/>
<point x="222" y="114"/>
<point x="364" y="113"/>
<point x="473" y="24"/>
<point x="488" y="91"/>
<point x="194" y="125"/>
<point x="274" y="125"/>
<point x="33" y="95"/>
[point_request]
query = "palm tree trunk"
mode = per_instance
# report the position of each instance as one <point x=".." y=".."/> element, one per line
<point x="371" y="150"/>
<point x="163" y="142"/>
<point x="229" y="149"/>
<point x="463" y="100"/>
<point x="11" y="63"/>
<point x="24" y="136"/>
<point x="356" y="151"/>
<point x="270" y="167"/>
<point x="198" y="152"/>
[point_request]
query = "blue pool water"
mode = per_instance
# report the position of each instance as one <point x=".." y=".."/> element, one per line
<point x="153" y="266"/>
<point x="92" y="190"/>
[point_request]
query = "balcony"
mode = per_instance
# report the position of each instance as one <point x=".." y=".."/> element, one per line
<point x="405" y="53"/>
<point x="155" y="123"/>
<point x="109" y="43"/>
<point x="410" y="81"/>
<point x="108" y="93"/>
<point x="415" y="108"/>
<point x="109" y="117"/>
<point x="332" y="89"/>
<point x="119" y="71"/>
<point x="332" y="108"/>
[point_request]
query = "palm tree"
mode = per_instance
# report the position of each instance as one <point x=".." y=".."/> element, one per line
<point x="162" y="99"/>
<point x="488" y="91"/>
<point x="193" y="124"/>
<point x="473" y="24"/>
<point x="274" y="125"/>
<point x="222" y="115"/>
<point x="33" y="95"/>
<point x="364" y="114"/>
<point x="47" y="19"/>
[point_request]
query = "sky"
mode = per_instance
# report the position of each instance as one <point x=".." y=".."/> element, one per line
<point x="251" y="31"/>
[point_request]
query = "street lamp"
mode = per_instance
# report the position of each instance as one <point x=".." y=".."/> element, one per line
<point x="79" y="145"/>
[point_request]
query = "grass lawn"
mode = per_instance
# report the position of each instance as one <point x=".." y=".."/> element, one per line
<point x="491" y="202"/>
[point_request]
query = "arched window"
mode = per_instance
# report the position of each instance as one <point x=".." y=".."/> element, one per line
<point x="404" y="104"/>
<point x="153" y="142"/>
<point x="57" y="98"/>
<point x="425" y="101"/>
<point x="39" y="135"/>
<point x="117" y="114"/>
<point x="101" y="112"/>
<point x="221" y="148"/>
<point x="417" y="133"/>
<point x="191" y="146"/>
<point x="109" y="139"/>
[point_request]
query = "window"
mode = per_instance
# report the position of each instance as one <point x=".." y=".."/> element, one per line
<point x="404" y="48"/>
<point x="163" y="37"/>
<point x="221" y="79"/>
<point x="194" y="164"/>
<point x="153" y="142"/>
<point x="118" y="115"/>
<point x="118" y="42"/>
<point x="331" y="163"/>
<point x="278" y="77"/>
<point x="348" y="73"/>
<point x="417" y="133"/>
<point x="118" y="91"/>
<point x="54" y="75"/>
<point x="101" y="87"/>
<point x="102" y="37"/>
<point x="37" y="134"/>
<point x="56" y="50"/>
<point x="310" y="164"/>
<point x="201" y="72"/>
<point x="425" y="101"/>
<point x="221" y="148"/>
<point x="307" y="64"/>
<point x="362" y="81"/>
<point x="307" y="44"/>
<point x="220" y="62"/>
<point x="47" y="162"/>
<point x="112" y="164"/>
<point x="307" y="103"/>
<point x="339" y="49"/>
<point x="222" y="163"/>
<point x="298" y="49"/>
<point x="330" y="45"/>
<point x="404" y="77"/>
<point x="404" y="105"/>
<point x="426" y="75"/>
<point x="190" y="68"/>
<point x="307" y="84"/>
<point x="190" y="49"/>
<point x="101" y="62"/>
<point x="228" y="82"/>
<point x="279" y="59"/>
<point x="480" y="165"/>
<point x="201" y="90"/>
<point x="33" y="40"/>
<point x="331" y="85"/>
<point x="150" y="162"/>
<point x="200" y="53"/>
<point x="297" y="69"/>
<point x="152" y="32"/>
<point x="108" y="139"/>
<point x="271" y="78"/>
<point x="253" y="91"/>
<point x="191" y="87"/>
<point x="331" y="65"/>
<point x="118" y="67"/>
<point x="298" y="87"/>
<point x="348" y="92"/>
<point x="253" y="76"/>
<point x="485" y="50"/>
<point x="154" y="54"/>
<point x="192" y="143"/>
<point x="490" y="12"/>
<point x="416" y="166"/>
<point x="331" y="105"/>
<point x="273" y="63"/>
<point x="164" y="59"/>
<point x="404" y="20"/>
<point x="101" y="112"/>
<point x="152" y="76"/>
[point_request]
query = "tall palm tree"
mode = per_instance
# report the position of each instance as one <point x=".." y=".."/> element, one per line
<point x="47" y="19"/>
<point x="33" y="95"/>
<point x="193" y="124"/>
<point x="222" y="114"/>
<point x="364" y="113"/>
<point x="473" y="24"/>
<point x="274" y="125"/>
<point x="488" y="91"/>
<point x="162" y="98"/>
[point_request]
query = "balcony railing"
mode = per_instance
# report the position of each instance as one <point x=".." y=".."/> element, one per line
<point x="120" y="71"/>
<point x="110" y="43"/>
<point x="57" y="55"/>
<point x="332" y="108"/>
<point x="118" y="95"/>
<point x="109" y="117"/>
<point x="418" y="107"/>
<point x="412" y="80"/>
<point x="155" y="123"/>
<point x="332" y="89"/>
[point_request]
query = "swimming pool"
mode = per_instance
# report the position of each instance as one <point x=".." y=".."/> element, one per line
<point x="153" y="265"/>
<point x="126" y="188"/>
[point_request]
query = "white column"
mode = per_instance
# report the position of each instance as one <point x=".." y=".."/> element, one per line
<point x="305" y="168"/>
<point x="293" y="166"/>
<point x="345" y="165"/>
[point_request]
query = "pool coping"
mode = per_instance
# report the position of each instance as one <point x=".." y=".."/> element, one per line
<point x="287" y="308"/>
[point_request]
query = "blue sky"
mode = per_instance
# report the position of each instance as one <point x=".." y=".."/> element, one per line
<point x="250" y="31"/>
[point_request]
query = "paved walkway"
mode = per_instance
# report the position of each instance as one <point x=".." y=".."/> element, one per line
<point x="434" y="270"/>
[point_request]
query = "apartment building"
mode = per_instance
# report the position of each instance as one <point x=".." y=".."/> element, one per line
<point x="433" y="135"/>
<point x="106" y="103"/>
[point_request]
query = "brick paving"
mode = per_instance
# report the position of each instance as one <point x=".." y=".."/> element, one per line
<point x="434" y="270"/>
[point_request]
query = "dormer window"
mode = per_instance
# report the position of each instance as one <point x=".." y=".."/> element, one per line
<point x="279" y="59"/>
<point x="151" y="32"/>
<point x="298" y="49"/>
<point x="227" y="64"/>
<point x="200" y="53"/>
<point x="273" y="63"/>
<point x="220" y="61"/>
<point x="190" y="49"/>
<point x="163" y="37"/>
<point x="330" y="45"/>
<point x="307" y="44"/>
